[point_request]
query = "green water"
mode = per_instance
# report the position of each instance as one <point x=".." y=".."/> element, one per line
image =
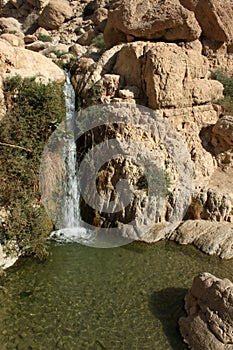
<point x="82" y="298"/>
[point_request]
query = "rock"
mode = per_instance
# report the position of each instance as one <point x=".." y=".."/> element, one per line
<point x="16" y="60"/>
<point x="54" y="14"/>
<point x="7" y="260"/>
<point x="215" y="19"/>
<point x="210" y="237"/>
<point x="99" y="18"/>
<point x="223" y="132"/>
<point x="13" y="39"/>
<point x="38" y="46"/>
<point x="30" y="38"/>
<point x="78" y="50"/>
<point x="9" y="25"/>
<point x="150" y="20"/>
<point x="209" y="307"/>
<point x="129" y="92"/>
<point x="87" y="38"/>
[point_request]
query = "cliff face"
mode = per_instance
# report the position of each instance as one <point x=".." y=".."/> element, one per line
<point x="159" y="54"/>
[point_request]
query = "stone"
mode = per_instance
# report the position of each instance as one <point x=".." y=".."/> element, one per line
<point x="209" y="307"/>
<point x="54" y="14"/>
<point x="150" y="20"/>
<point x="99" y="18"/>
<point x="213" y="238"/>
<point x="78" y="50"/>
<point x="87" y="38"/>
<point x="38" y="46"/>
<point x="129" y="92"/>
<point x="9" y="25"/>
<point x="17" y="60"/>
<point x="223" y="132"/>
<point x="215" y="19"/>
<point x="13" y="39"/>
<point x="30" y="38"/>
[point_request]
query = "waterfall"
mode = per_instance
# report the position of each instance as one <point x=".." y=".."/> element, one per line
<point x="71" y="224"/>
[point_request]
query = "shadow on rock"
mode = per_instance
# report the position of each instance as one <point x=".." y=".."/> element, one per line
<point x="167" y="305"/>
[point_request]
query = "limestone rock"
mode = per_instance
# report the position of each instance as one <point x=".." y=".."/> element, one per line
<point x="150" y="20"/>
<point x="215" y="19"/>
<point x="99" y="18"/>
<point x="13" y="39"/>
<point x="38" y="46"/>
<point x="16" y="60"/>
<point x="209" y="305"/>
<point x="210" y="237"/>
<point x="9" y="25"/>
<point x="223" y="131"/>
<point x="54" y="14"/>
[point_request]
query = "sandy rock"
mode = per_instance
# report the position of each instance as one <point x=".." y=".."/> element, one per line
<point x="54" y="14"/>
<point x="223" y="131"/>
<point x="78" y="50"/>
<point x="215" y="19"/>
<point x="30" y="38"/>
<point x="129" y="92"/>
<point x="209" y="307"/>
<point x="38" y="46"/>
<point x="13" y="39"/>
<point x="168" y="21"/>
<point x="16" y="60"/>
<point x="210" y="237"/>
<point x="9" y="25"/>
<point x="99" y="18"/>
<point x="86" y="38"/>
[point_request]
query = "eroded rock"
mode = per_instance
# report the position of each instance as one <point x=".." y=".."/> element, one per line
<point x="209" y="306"/>
<point x="54" y="14"/>
<point x="150" y="20"/>
<point x="213" y="238"/>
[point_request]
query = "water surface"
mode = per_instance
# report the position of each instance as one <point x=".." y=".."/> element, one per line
<point x="80" y="298"/>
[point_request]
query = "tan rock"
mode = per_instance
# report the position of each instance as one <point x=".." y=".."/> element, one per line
<point x="129" y="92"/>
<point x="13" y="39"/>
<point x="87" y="38"/>
<point x="99" y="18"/>
<point x="78" y="50"/>
<point x="150" y="20"/>
<point x="38" y="46"/>
<point x="210" y="237"/>
<point x="215" y="19"/>
<point x="54" y="14"/>
<point x="209" y="305"/>
<point x="223" y="131"/>
<point x="9" y="25"/>
<point x="16" y="60"/>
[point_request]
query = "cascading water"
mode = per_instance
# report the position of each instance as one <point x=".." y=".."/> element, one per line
<point x="71" y="224"/>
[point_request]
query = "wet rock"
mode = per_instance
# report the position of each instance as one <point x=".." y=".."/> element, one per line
<point x="209" y="307"/>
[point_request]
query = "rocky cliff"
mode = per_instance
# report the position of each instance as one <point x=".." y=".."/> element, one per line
<point x="159" y="54"/>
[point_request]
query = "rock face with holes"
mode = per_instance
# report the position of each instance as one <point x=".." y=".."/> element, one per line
<point x="150" y="20"/>
<point x="209" y="307"/>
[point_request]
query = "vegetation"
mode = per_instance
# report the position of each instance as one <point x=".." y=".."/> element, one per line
<point x="45" y="38"/>
<point x="98" y="41"/>
<point x="33" y="112"/>
<point x="227" y="101"/>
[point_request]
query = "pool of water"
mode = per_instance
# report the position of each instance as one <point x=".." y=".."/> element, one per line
<point x="80" y="298"/>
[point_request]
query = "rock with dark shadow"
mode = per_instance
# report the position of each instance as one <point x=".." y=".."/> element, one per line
<point x="209" y="305"/>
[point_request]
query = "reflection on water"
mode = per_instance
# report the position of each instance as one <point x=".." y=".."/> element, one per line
<point x="126" y="298"/>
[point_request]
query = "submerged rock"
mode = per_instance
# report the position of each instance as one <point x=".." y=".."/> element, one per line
<point x="209" y="305"/>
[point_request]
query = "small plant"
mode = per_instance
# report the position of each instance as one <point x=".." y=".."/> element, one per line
<point x="227" y="101"/>
<point x="45" y="38"/>
<point x="59" y="53"/>
<point x="98" y="41"/>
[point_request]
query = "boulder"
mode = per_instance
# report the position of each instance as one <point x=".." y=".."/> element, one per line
<point x="223" y="132"/>
<point x="150" y="20"/>
<point x="54" y="14"/>
<point x="213" y="238"/>
<point x="17" y="60"/>
<point x="209" y="307"/>
<point x="13" y="39"/>
<point x="9" y="25"/>
<point x="215" y="19"/>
